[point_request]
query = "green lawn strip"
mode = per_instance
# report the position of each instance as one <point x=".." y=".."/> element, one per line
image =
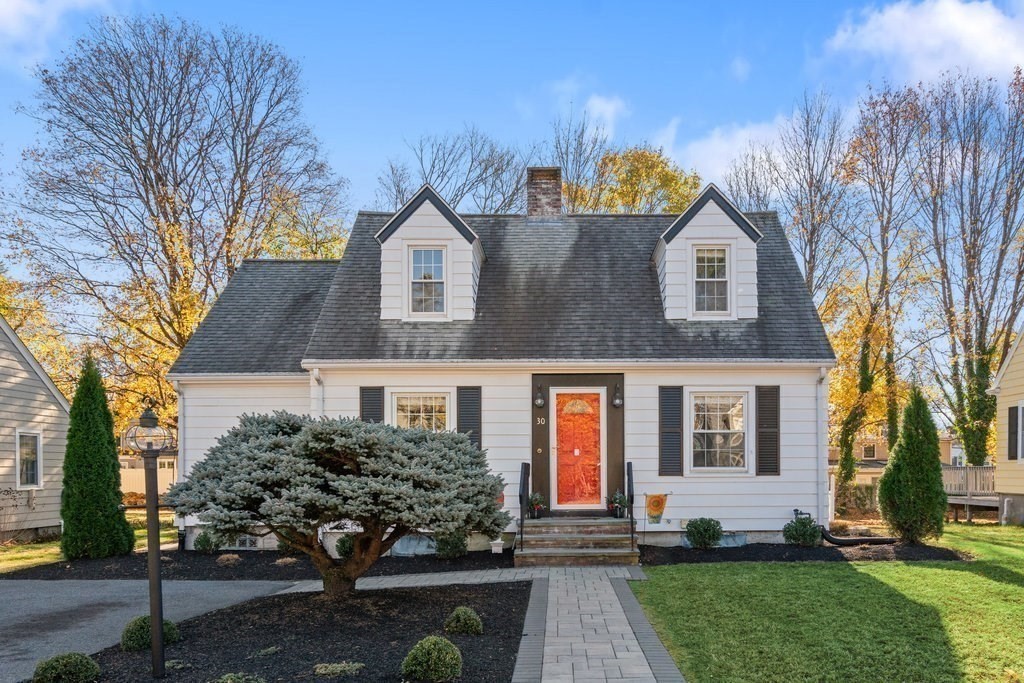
<point x="25" y="555"/>
<point x="882" y="621"/>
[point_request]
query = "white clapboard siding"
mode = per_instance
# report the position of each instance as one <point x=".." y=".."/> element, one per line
<point x="710" y="226"/>
<point x="27" y="404"/>
<point x="428" y="227"/>
<point x="208" y="410"/>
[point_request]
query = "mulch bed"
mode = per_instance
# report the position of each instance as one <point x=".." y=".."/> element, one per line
<point x="255" y="565"/>
<point x="771" y="552"/>
<point x="281" y="638"/>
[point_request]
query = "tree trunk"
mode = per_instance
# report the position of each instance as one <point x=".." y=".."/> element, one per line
<point x="337" y="584"/>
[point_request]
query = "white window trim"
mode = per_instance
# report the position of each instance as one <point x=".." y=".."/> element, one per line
<point x="409" y="246"/>
<point x="391" y="406"/>
<point x="17" y="459"/>
<point x="864" y="450"/>
<point x="730" y="260"/>
<point x="748" y="428"/>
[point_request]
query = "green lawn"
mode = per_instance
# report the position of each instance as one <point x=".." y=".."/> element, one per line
<point x="865" y="621"/>
<point x="23" y="555"/>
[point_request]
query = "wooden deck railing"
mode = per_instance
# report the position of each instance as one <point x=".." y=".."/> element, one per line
<point x="969" y="480"/>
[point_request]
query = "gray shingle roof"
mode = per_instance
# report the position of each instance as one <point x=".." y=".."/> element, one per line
<point x="572" y="288"/>
<point x="569" y="288"/>
<point x="262" y="320"/>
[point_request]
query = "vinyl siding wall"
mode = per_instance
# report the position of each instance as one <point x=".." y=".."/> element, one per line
<point x="1009" y="473"/>
<point x="428" y="227"/>
<point x="742" y="502"/>
<point x="26" y="404"/>
<point x="710" y="226"/>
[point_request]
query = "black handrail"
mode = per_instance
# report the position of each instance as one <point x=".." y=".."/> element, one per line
<point x="524" y="499"/>
<point x="629" y="505"/>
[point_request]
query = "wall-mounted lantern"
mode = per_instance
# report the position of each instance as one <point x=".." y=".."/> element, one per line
<point x="538" y="400"/>
<point x="617" y="397"/>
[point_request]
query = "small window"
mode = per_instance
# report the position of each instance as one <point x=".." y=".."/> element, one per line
<point x="711" y="285"/>
<point x="426" y="411"/>
<point x="29" y="457"/>
<point x="869" y="452"/>
<point x="719" y="430"/>
<point x="427" y="281"/>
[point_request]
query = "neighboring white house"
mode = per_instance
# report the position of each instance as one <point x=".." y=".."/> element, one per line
<point x="686" y="345"/>
<point x="1008" y="388"/>
<point x="32" y="441"/>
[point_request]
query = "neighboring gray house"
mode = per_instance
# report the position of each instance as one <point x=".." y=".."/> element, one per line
<point x="32" y="440"/>
<point x="686" y="345"/>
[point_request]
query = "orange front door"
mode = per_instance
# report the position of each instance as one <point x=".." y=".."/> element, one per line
<point x="578" y="448"/>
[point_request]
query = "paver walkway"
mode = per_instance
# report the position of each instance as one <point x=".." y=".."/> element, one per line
<point x="582" y="623"/>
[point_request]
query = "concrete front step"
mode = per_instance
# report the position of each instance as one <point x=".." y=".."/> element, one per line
<point x="575" y="526"/>
<point x="575" y="557"/>
<point x="532" y="541"/>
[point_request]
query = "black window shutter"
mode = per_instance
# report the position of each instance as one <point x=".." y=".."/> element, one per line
<point x="767" y="429"/>
<point x="1013" y="433"/>
<point x="371" y="404"/>
<point x="670" y="431"/>
<point x="468" y="412"/>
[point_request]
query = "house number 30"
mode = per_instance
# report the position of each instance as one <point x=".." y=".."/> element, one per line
<point x="541" y="420"/>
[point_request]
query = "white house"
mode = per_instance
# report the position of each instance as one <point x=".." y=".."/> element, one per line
<point x="33" y="436"/>
<point x="686" y="345"/>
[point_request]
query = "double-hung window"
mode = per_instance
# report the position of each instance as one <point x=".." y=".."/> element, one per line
<point x="29" y="457"/>
<point x="869" y="452"/>
<point x="711" y="280"/>
<point x="426" y="411"/>
<point x="719" y="430"/>
<point x="428" y="280"/>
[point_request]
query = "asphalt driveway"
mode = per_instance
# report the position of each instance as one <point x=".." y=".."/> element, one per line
<point x="39" y="619"/>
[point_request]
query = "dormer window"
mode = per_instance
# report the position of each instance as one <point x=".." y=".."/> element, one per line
<point x="428" y="279"/>
<point x="711" y="281"/>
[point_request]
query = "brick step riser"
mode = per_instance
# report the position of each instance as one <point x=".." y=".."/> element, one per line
<point x="577" y="542"/>
<point x="569" y="560"/>
<point x="574" y="529"/>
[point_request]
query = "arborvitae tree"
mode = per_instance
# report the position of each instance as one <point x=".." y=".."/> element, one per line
<point x="911" y="497"/>
<point x="94" y="524"/>
<point x="289" y="476"/>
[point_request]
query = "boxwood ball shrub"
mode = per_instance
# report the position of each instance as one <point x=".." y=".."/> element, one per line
<point x="344" y="547"/>
<point x="464" y="620"/>
<point x="703" y="532"/>
<point x="451" y="546"/>
<point x="802" y="531"/>
<point x="72" y="667"/>
<point x="434" y="659"/>
<point x="135" y="636"/>
<point x="205" y="543"/>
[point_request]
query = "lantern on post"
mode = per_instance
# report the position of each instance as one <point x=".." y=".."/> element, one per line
<point x="149" y="439"/>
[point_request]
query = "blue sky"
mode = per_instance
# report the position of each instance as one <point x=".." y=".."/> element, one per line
<point x="700" y="79"/>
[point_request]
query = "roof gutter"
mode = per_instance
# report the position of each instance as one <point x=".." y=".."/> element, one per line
<point x="531" y="364"/>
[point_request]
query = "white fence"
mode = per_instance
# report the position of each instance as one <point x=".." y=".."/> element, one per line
<point x="969" y="480"/>
<point x="133" y="479"/>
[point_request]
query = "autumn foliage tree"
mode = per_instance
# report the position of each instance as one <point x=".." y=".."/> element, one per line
<point x="290" y="476"/>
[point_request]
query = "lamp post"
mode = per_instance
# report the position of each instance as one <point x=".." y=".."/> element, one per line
<point x="149" y="439"/>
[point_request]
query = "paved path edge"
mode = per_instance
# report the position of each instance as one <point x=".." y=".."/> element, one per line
<point x="660" y="661"/>
<point x="530" y="658"/>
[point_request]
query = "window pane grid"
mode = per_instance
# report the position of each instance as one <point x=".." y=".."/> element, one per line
<point x="719" y="436"/>
<point x="427" y="281"/>
<point x="711" y="281"/>
<point x="424" y="411"/>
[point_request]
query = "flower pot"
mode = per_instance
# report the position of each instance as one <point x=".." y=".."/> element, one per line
<point x="497" y="546"/>
<point x="620" y="512"/>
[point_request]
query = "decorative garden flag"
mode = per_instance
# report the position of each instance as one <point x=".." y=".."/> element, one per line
<point x="656" y="507"/>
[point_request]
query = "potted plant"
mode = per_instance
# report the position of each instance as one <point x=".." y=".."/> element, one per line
<point x="537" y="506"/>
<point x="617" y="503"/>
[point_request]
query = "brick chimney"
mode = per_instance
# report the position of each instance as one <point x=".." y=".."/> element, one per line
<point x="543" y="191"/>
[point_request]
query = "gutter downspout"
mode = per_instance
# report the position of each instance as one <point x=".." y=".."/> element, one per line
<point x="315" y="375"/>
<point x="822" y="446"/>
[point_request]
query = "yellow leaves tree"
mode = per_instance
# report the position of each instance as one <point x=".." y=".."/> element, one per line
<point x="644" y="180"/>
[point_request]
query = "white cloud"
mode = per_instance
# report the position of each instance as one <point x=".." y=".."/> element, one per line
<point x="711" y="154"/>
<point x="920" y="40"/>
<point x="606" y="111"/>
<point x="28" y="26"/>
<point x="739" y="68"/>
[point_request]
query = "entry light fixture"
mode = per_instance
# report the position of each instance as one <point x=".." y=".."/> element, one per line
<point x="538" y="400"/>
<point x="617" y="397"/>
